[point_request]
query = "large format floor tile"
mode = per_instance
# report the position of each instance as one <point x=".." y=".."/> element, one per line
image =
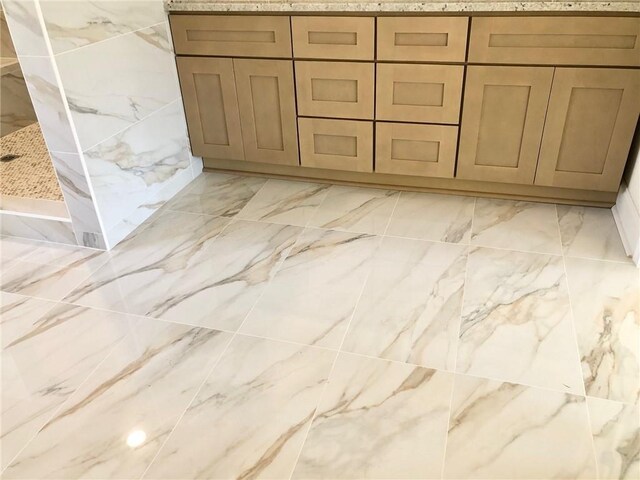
<point x="427" y="216"/>
<point x="250" y="418"/>
<point x="410" y="308"/>
<point x="137" y="394"/>
<point x="280" y="201"/>
<point x="352" y="209"/>
<point x="507" y="431"/>
<point x="516" y="321"/>
<point x="311" y="298"/>
<point x="524" y="226"/>
<point x="606" y="305"/>
<point x="48" y="358"/>
<point x="217" y="194"/>
<point x="207" y="275"/>
<point x="590" y="233"/>
<point x="378" y="419"/>
<point x="616" y="438"/>
<point x="13" y="249"/>
<point x="18" y="315"/>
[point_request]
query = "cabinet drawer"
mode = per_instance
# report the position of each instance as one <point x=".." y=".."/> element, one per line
<point x="555" y="40"/>
<point x="335" y="89"/>
<point x="336" y="144"/>
<point x="348" y="38"/>
<point x="409" y="149"/>
<point x="435" y="39"/>
<point x="419" y="93"/>
<point x="226" y="35"/>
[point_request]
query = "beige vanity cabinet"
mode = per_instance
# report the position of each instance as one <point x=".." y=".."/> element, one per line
<point x="211" y="107"/>
<point x="502" y="122"/>
<point x="589" y="128"/>
<point x="267" y="110"/>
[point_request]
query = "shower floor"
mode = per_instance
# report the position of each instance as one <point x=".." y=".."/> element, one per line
<point x="28" y="183"/>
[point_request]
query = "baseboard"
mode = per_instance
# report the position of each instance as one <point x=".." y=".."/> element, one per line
<point x="627" y="219"/>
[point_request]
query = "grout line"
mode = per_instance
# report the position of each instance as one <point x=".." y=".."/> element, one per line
<point x="393" y="211"/>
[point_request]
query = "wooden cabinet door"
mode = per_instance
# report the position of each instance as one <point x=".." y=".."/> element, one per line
<point x="502" y="121"/>
<point x="267" y="110"/>
<point x="211" y="107"/>
<point x="590" y="124"/>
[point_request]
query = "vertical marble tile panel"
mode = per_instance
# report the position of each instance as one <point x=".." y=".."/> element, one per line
<point x="113" y="84"/>
<point x="312" y="297"/>
<point x="133" y="166"/>
<point x="506" y="431"/>
<point x="428" y="216"/>
<point x="525" y="226"/>
<point x="591" y="233"/>
<point x="282" y="201"/>
<point x="616" y="438"/>
<point x="516" y="321"/>
<point x="73" y="24"/>
<point x="144" y="385"/>
<point x="378" y="419"/>
<point x="25" y="27"/>
<point x="606" y="304"/>
<point x="250" y="418"/>
<point x="354" y="209"/>
<point x="410" y="308"/>
<point x="16" y="109"/>
<point x="48" y="104"/>
<point x="46" y="362"/>
<point x="6" y="44"/>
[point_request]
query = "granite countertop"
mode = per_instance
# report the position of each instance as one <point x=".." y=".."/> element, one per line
<point x="402" y="6"/>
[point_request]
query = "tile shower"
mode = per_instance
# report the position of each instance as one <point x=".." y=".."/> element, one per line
<point x="28" y="182"/>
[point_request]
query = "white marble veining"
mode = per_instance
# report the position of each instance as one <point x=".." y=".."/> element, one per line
<point x="606" y="304"/>
<point x="26" y="29"/>
<point x="46" y="229"/>
<point x="403" y="6"/>
<point x="506" y="431"/>
<point x="525" y="226"/>
<point x="516" y="307"/>
<point x="410" y="307"/>
<point x="378" y="419"/>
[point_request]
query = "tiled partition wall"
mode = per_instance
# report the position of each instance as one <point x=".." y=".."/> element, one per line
<point x="104" y="84"/>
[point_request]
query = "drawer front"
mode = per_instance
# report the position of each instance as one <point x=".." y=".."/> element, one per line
<point x="349" y="38"/>
<point x="555" y="40"/>
<point x="226" y="35"/>
<point x="336" y="144"/>
<point x="436" y="39"/>
<point x="409" y="149"/>
<point x="335" y="89"/>
<point x="419" y="93"/>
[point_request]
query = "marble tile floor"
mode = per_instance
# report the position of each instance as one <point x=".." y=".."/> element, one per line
<point x="258" y="328"/>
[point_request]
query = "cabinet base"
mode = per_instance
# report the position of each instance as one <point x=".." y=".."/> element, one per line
<point x="451" y="186"/>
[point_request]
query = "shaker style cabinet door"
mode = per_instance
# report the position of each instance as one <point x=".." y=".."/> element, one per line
<point x="267" y="110"/>
<point x="589" y="128"/>
<point x="211" y="107"/>
<point x="502" y="120"/>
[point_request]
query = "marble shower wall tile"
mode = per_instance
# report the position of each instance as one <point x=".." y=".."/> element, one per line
<point x="73" y="24"/>
<point x="353" y="209"/>
<point x="16" y="110"/>
<point x="410" y="308"/>
<point x="26" y="27"/>
<point x="428" y="216"/>
<point x="616" y="438"/>
<point x="6" y="45"/>
<point x="524" y="226"/>
<point x="516" y="321"/>
<point x="37" y="228"/>
<point x="113" y="84"/>
<point x="591" y="233"/>
<point x="606" y="305"/>
<point x="47" y="360"/>
<point x="281" y="201"/>
<point x="506" y="431"/>
<point x="217" y="194"/>
<point x="261" y="397"/>
<point x="378" y="419"/>
<point x="312" y="297"/>
<point x="145" y="384"/>
<point x="135" y="165"/>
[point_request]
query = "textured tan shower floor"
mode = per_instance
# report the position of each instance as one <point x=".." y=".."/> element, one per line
<point x="31" y="175"/>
